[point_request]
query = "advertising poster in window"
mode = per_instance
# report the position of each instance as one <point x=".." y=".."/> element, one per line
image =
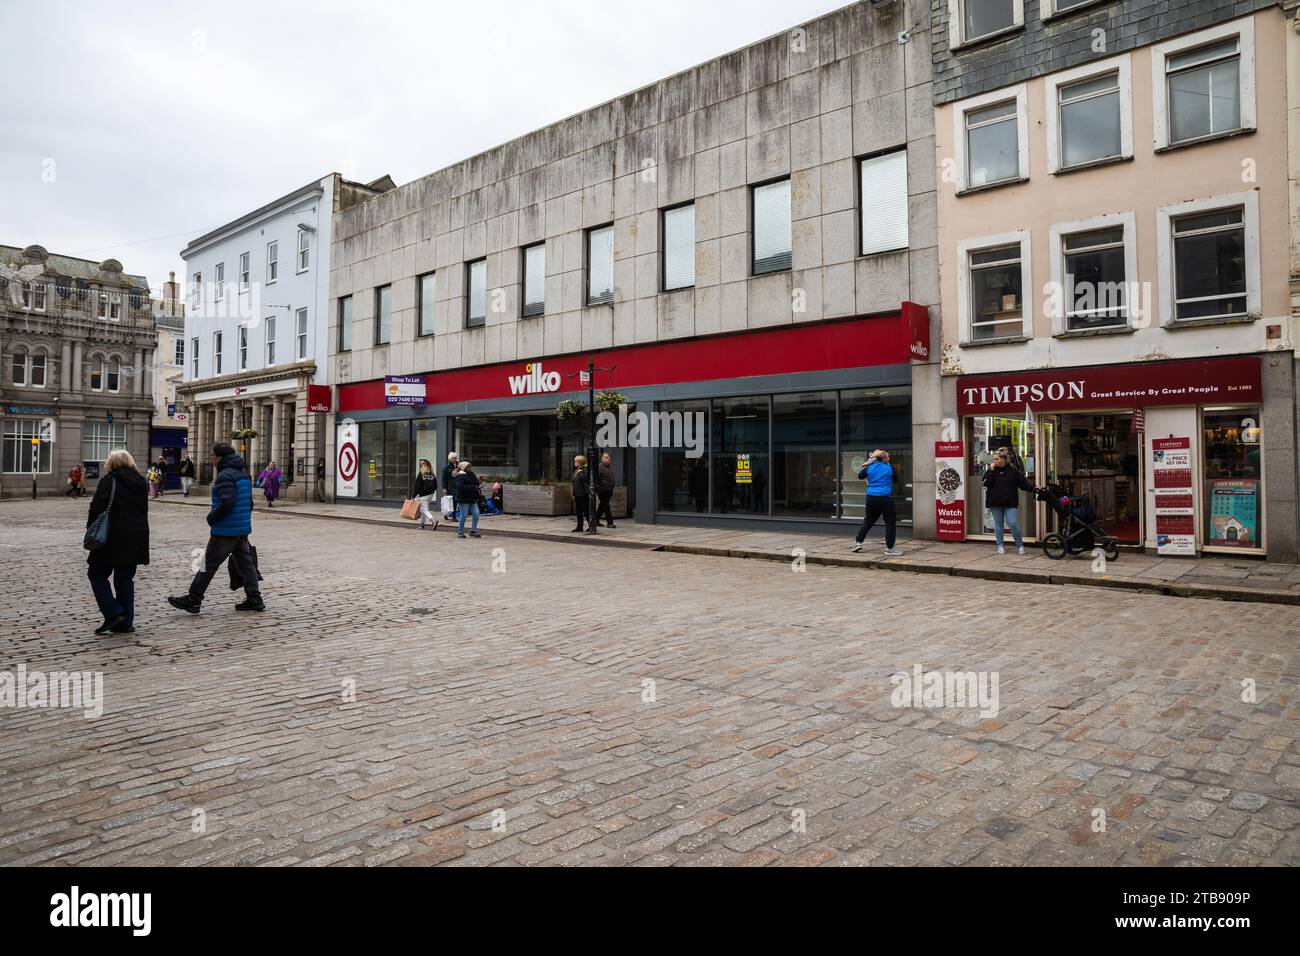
<point x="949" y="491"/>
<point x="744" y="470"/>
<point x="1171" y="477"/>
<point x="1234" y="512"/>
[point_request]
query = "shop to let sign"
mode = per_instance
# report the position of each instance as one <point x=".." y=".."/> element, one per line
<point x="1171" y="478"/>
<point x="404" y="390"/>
<point x="949" y="491"/>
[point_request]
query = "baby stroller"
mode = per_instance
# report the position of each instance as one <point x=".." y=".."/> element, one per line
<point x="1079" y="531"/>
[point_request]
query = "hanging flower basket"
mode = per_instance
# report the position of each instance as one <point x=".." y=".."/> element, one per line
<point x="243" y="434"/>
<point x="575" y="412"/>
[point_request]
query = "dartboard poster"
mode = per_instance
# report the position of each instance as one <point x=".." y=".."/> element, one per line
<point x="949" y="491"/>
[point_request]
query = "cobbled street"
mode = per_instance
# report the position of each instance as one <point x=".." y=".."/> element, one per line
<point x="412" y="698"/>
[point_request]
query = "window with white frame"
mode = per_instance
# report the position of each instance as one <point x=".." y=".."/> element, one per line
<point x="991" y="288"/>
<point x="679" y="247"/>
<point x="272" y="262"/>
<point x="883" y="191"/>
<point x="243" y="347"/>
<point x="1204" y="84"/>
<point x="970" y="21"/>
<point x="113" y="375"/>
<point x="269" y="322"/>
<point x="1093" y="273"/>
<point x="345" y="324"/>
<point x="600" y="265"/>
<point x="110" y="306"/>
<point x="216" y="353"/>
<point x="97" y="374"/>
<point x="18" y="366"/>
<point x="1209" y="255"/>
<point x="1053" y="8"/>
<point x="304" y="250"/>
<point x="194" y="357"/>
<point x="99" y="439"/>
<point x="196" y="290"/>
<point x="993" y="132"/>
<point x="301" y="334"/>
<point x="243" y="272"/>
<point x="534" y="280"/>
<point x="39" y="368"/>
<point x="178" y="355"/>
<point x="219" y="277"/>
<point x="18" y="435"/>
<point x="35" y="295"/>
<point x="773" y="238"/>
<point x="1089" y="115"/>
<point x="476" y="300"/>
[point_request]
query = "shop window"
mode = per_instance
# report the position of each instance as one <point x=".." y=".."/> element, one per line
<point x="870" y="419"/>
<point x="1232" y="445"/>
<point x="984" y="436"/>
<point x="993" y="131"/>
<point x="600" y="266"/>
<point x="679" y="247"/>
<point x="534" y="280"/>
<point x="683" y="480"/>
<point x="476" y="300"/>
<point x="1204" y="84"/>
<point x="1093" y="273"/>
<point x="17" y="447"/>
<point x="490" y="444"/>
<point x="739" y="455"/>
<point x="883" y="195"/>
<point x="386" y="462"/>
<point x="991" y="294"/>
<point x="383" y="315"/>
<point x="773" y="235"/>
<point x="970" y="21"/>
<point x="1214" y="248"/>
<point x="100" y="438"/>
<point x="1089" y="119"/>
<point x="426" y="287"/>
<point x="345" y="324"/>
<point x="803" y="455"/>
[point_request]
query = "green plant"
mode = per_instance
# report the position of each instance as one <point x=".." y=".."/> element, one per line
<point x="609" y="401"/>
<point x="243" y="434"/>
<point x="571" y="410"/>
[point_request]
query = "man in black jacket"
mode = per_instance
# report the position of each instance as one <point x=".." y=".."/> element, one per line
<point x="449" y="474"/>
<point x="1003" y="484"/>
<point x="466" y="492"/>
<point x="605" y="489"/>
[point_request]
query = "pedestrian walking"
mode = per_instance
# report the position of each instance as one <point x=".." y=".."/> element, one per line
<point x="230" y="522"/>
<point x="449" y="473"/>
<point x="424" y="490"/>
<point x="269" y="480"/>
<point x="155" y="481"/>
<point x="1003" y="483"/>
<point x="879" y="475"/>
<point x="320" y="479"/>
<point x="605" y="489"/>
<point x="161" y="465"/>
<point x="186" y="472"/>
<point x="126" y="499"/>
<point x="465" y="490"/>
<point x="581" y="490"/>
<point x="76" y="483"/>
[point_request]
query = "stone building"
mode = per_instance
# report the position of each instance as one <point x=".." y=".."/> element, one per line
<point x="169" y="434"/>
<point x="748" y="244"/>
<point x="76" y="341"/>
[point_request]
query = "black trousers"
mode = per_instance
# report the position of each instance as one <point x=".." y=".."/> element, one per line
<point x="880" y="506"/>
<point x="602" y="505"/>
<point x="218" y="550"/>
<point x="581" y="505"/>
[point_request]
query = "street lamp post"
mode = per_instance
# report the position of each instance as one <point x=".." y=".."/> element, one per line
<point x="592" y="451"/>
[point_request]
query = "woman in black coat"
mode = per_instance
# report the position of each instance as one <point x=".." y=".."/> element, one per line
<point x="581" y="489"/>
<point x="128" y="542"/>
<point x="1002" y="486"/>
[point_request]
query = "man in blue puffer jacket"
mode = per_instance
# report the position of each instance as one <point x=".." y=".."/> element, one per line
<point x="879" y="476"/>
<point x="231" y="522"/>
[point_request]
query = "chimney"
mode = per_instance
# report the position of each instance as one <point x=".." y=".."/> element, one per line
<point x="170" y="291"/>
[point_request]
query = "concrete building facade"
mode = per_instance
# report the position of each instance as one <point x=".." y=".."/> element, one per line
<point x="76" y="341"/>
<point x="169" y="432"/>
<point x="736" y="241"/>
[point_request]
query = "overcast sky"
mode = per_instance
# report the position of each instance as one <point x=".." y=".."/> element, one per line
<point x="129" y="129"/>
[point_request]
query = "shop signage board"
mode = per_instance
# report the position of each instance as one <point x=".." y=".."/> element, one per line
<point x="404" y="390"/>
<point x="1234" y="512"/>
<point x="1198" y="382"/>
<point x="950" y="491"/>
<point x="319" y="399"/>
<point x="1171" y="478"/>
<point x="347" y="462"/>
<point x="918" y="330"/>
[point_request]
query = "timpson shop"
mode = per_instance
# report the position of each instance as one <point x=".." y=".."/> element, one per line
<point x="1175" y="456"/>
<point x="785" y="419"/>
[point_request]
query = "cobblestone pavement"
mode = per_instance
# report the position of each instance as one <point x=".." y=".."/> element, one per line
<point x="503" y="718"/>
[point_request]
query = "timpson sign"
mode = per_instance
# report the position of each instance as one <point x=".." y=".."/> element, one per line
<point x="1112" y="386"/>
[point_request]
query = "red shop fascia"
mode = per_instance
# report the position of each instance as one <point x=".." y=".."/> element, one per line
<point x="892" y="339"/>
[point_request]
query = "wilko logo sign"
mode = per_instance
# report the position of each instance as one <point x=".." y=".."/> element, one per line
<point x="949" y="491"/>
<point x="534" y="381"/>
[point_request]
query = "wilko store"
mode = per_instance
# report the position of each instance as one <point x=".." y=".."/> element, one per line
<point x="1172" y="454"/>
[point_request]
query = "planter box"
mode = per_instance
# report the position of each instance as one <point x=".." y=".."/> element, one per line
<point x="537" y="499"/>
<point x="618" y="503"/>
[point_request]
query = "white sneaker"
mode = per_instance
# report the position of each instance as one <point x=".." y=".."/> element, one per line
<point x="1020" y="550"/>
<point x="856" y="547"/>
<point x="893" y="552"/>
<point x="1002" y="550"/>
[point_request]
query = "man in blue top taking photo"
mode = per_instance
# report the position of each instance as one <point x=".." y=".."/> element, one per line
<point x="879" y="475"/>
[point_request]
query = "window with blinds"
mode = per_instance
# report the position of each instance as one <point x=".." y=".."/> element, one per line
<point x="772" y="227"/>
<point x="600" y="266"/>
<point x="535" y="280"/>
<point x="476" y="276"/>
<point x="679" y="247"/>
<point x="884" y="202"/>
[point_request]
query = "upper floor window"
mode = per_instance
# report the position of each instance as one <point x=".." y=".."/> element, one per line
<point x="345" y="324"/>
<point x="1212" y="247"/>
<point x="383" y="315"/>
<point x="178" y="355"/>
<point x="112" y="374"/>
<point x="1093" y="272"/>
<point x="990" y="292"/>
<point x="301" y="334"/>
<point x="1204" y="84"/>
<point x="39" y="361"/>
<point x="219" y="277"/>
<point x="19" y="367"/>
<point x="1089" y="115"/>
<point x="243" y="347"/>
<point x="194" y="357"/>
<point x="35" y="295"/>
<point x="270" y="340"/>
<point x="476" y="300"/>
<point x="272" y="262"/>
<point x="772" y="232"/>
<point x="970" y="21"/>
<point x="884" y="202"/>
<point x="993" y="132"/>
<point x="216" y="353"/>
<point x="679" y="247"/>
<point x="304" y="250"/>
<point x="196" y="290"/>
<point x="600" y="265"/>
<point x="243" y="272"/>
<point x="110" y="306"/>
<point x="534" y="280"/>
<point x="427" y="289"/>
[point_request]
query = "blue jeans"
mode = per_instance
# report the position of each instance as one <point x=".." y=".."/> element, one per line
<point x="463" y="510"/>
<point x="1009" y="515"/>
<point x="111" y="606"/>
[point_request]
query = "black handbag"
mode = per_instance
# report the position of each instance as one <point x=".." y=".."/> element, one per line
<point x="97" y="531"/>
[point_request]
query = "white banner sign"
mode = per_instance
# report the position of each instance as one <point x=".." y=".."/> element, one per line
<point x="347" y="462"/>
